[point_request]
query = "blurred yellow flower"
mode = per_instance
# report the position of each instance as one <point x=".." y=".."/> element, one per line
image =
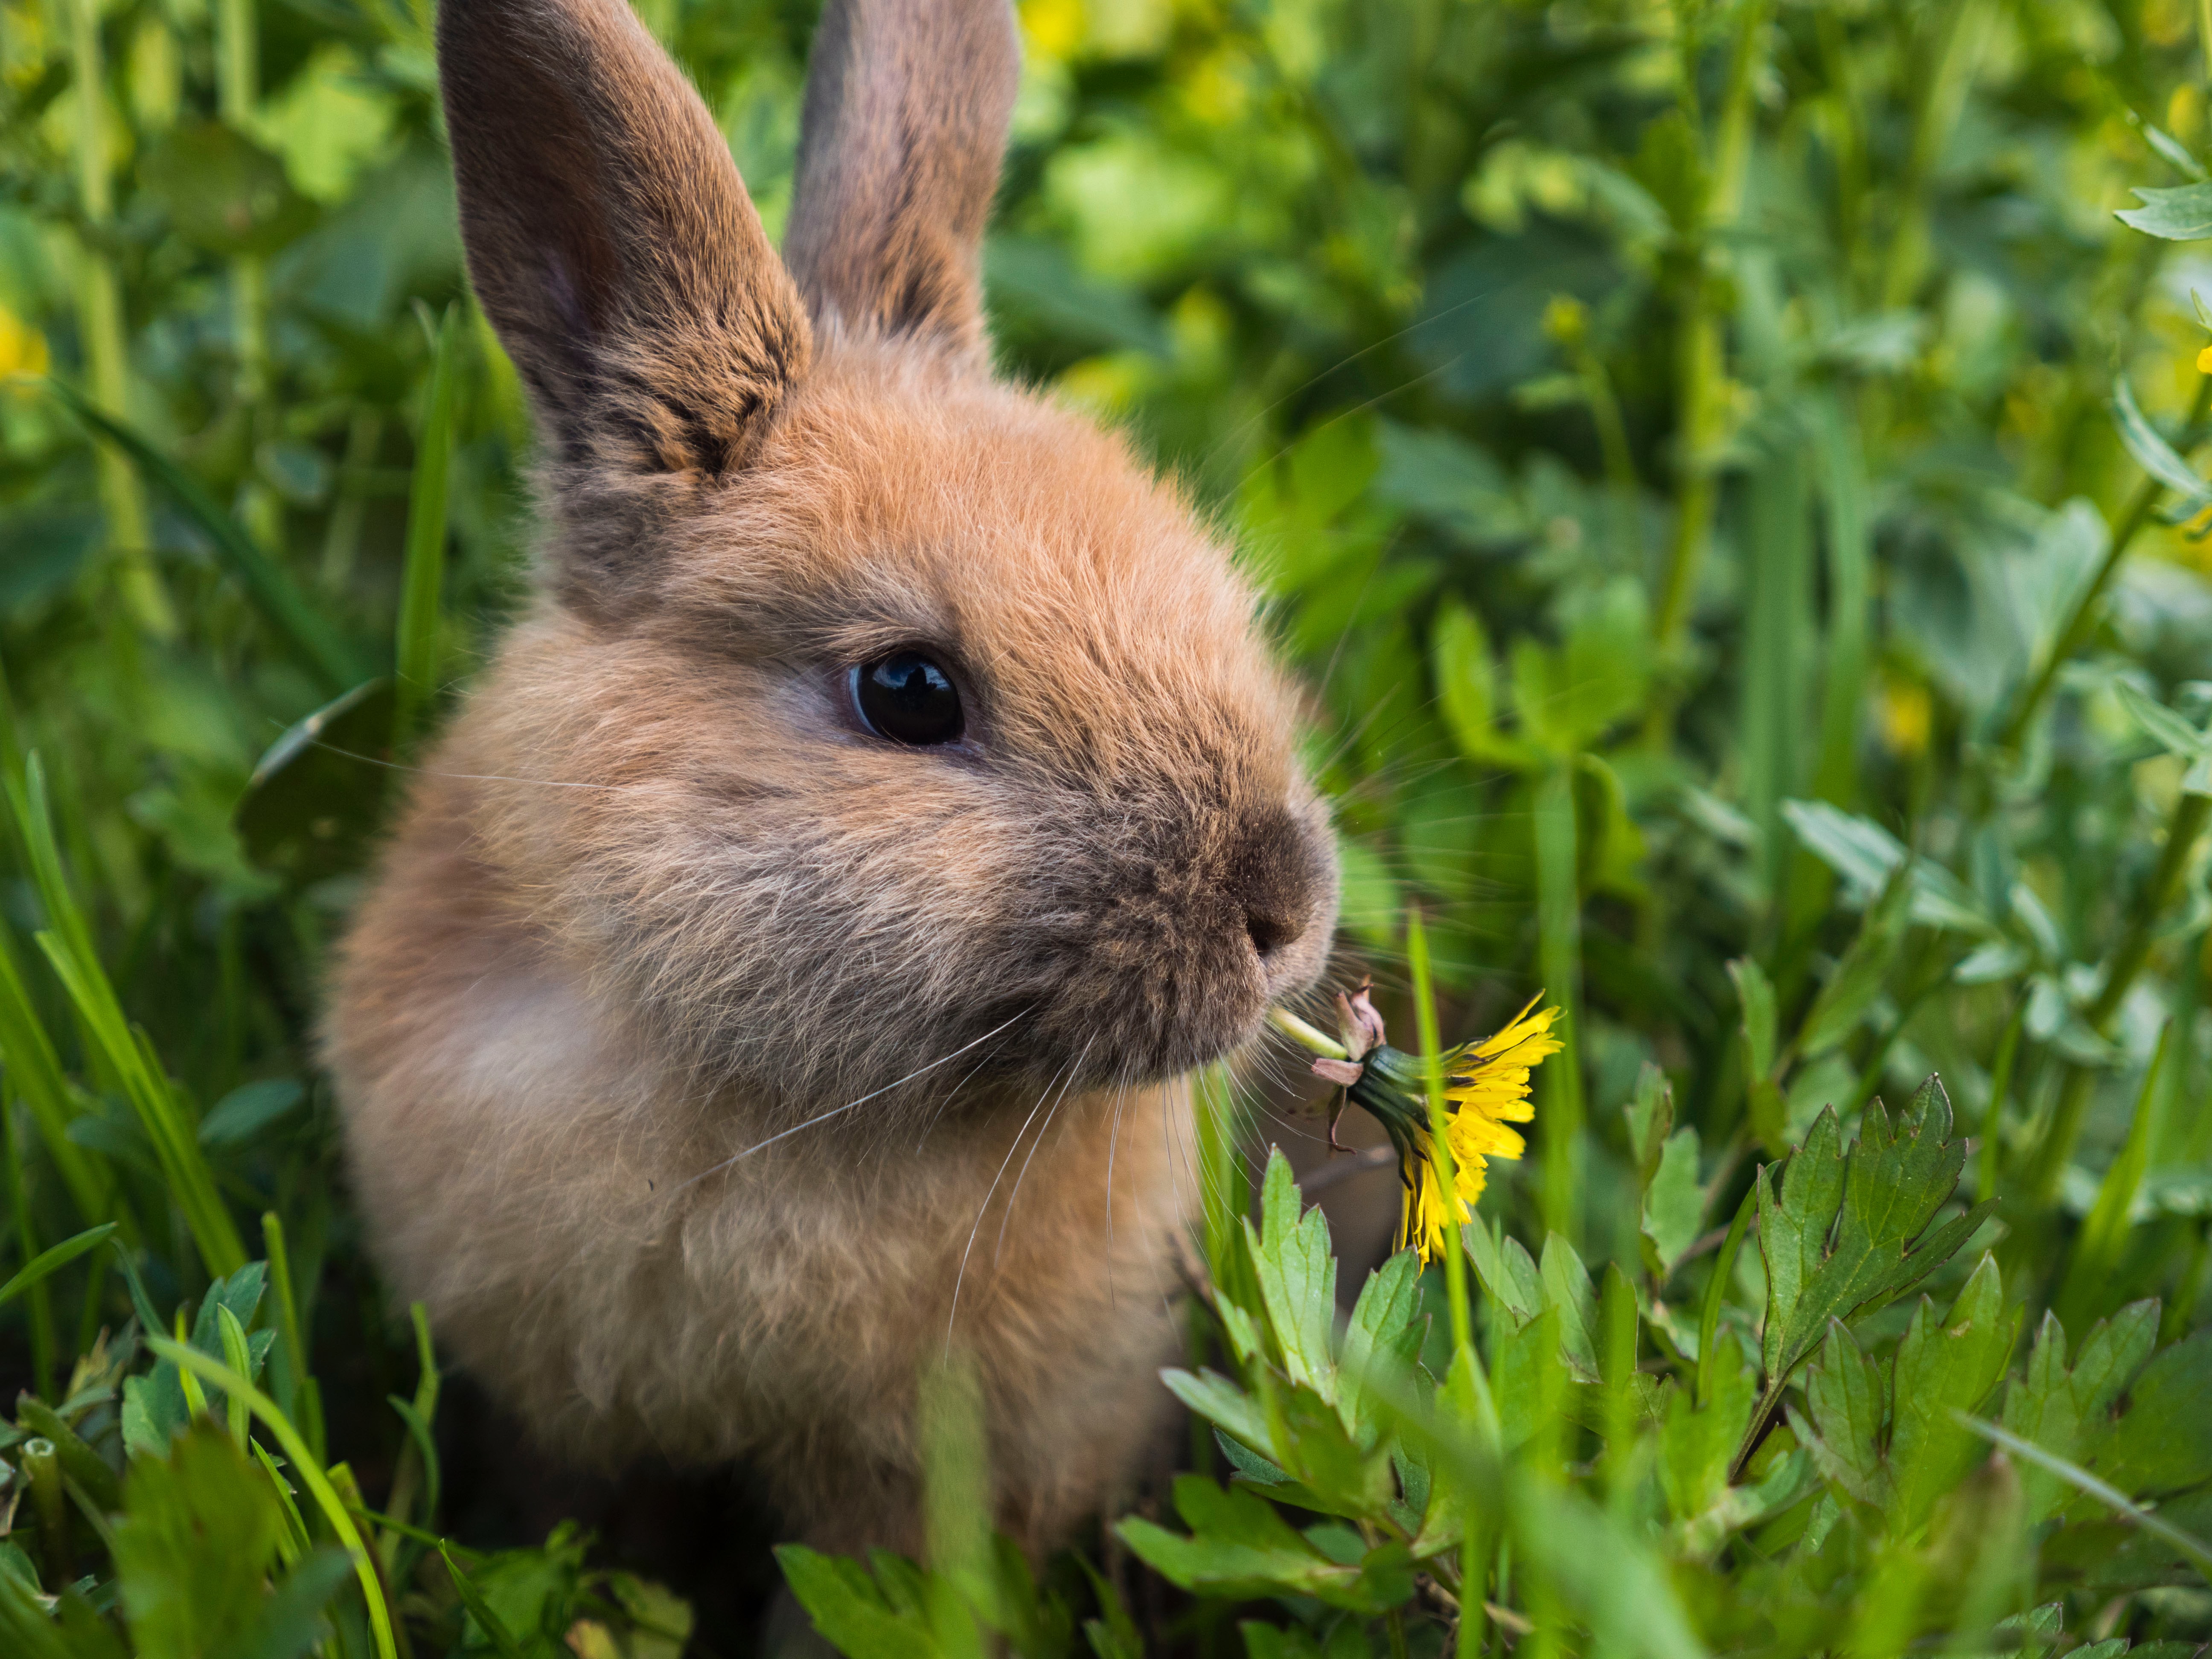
<point x="22" y="348"/>
<point x="2204" y="361"/>
<point x="1907" y="715"/>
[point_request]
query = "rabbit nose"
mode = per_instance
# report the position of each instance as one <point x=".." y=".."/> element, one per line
<point x="1274" y="880"/>
<point x="1270" y="934"/>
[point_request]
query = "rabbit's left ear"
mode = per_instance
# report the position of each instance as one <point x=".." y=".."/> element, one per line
<point x="904" y="125"/>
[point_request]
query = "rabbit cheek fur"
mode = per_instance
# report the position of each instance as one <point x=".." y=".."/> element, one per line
<point x="709" y="1062"/>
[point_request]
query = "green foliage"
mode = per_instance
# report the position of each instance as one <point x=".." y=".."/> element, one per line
<point x="1732" y="479"/>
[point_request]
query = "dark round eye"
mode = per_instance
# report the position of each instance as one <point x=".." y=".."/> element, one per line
<point x="909" y="698"/>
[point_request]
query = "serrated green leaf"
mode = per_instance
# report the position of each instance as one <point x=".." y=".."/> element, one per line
<point x="1864" y="971"/>
<point x="2168" y="729"/>
<point x="1650" y="1114"/>
<point x="1506" y="1270"/>
<point x="1674" y="1210"/>
<point x="1865" y="855"/>
<point x="1248" y="1463"/>
<point x="1846" y="1403"/>
<point x="2163" y="1441"/>
<point x="1942" y="1369"/>
<point x="1568" y="1293"/>
<point x="1756" y="993"/>
<point x="1695" y="1442"/>
<point x="1339" y="1476"/>
<point x="1896" y="1180"/>
<point x="1381" y="1341"/>
<point x="1296" y="1272"/>
<point x="2179" y="215"/>
<point x="848" y="1610"/>
<point x="1221" y="1403"/>
<point x="1467" y="686"/>
<point x="196" y="1540"/>
<point x="1238" y="1546"/>
<point x="291" y="1620"/>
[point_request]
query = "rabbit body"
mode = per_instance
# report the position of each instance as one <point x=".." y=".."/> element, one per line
<point x="710" y="1062"/>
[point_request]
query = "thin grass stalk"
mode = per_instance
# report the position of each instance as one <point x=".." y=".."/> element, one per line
<point x="100" y="316"/>
<point x="38" y="1305"/>
<point x="1559" y="956"/>
<point x="2081" y="619"/>
<point x="1840" y="462"/>
<point x="2153" y="903"/>
<point x="2002" y="1066"/>
<point x="1950" y="78"/>
<point x="238" y="98"/>
<point x="35" y="1070"/>
<point x="416" y="650"/>
<point x="2097" y="1247"/>
<point x="1223" y="1201"/>
<point x="1702" y="396"/>
<point x="68" y="947"/>
<point x="291" y="1350"/>
<point x="1458" y="1295"/>
<point x="341" y="537"/>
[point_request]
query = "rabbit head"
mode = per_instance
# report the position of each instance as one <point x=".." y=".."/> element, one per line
<point x="916" y="723"/>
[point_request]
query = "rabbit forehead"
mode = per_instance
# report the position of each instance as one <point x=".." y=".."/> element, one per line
<point x="1078" y="591"/>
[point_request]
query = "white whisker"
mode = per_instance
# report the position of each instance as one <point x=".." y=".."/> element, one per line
<point x="835" y="1110"/>
<point x="1074" y="1071"/>
<point x="983" y="1209"/>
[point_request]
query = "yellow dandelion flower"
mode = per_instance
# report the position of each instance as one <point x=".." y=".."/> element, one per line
<point x="1485" y="1092"/>
<point x="2204" y="361"/>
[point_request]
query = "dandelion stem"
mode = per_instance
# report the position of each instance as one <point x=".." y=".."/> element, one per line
<point x="1305" y="1035"/>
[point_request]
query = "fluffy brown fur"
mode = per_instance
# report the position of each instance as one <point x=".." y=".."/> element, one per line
<point x="710" y="1063"/>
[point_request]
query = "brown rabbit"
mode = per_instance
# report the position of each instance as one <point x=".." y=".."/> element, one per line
<point x="788" y="965"/>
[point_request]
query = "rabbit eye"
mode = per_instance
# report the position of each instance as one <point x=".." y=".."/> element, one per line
<point x="909" y="698"/>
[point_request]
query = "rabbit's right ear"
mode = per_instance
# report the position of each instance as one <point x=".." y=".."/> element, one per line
<point x="611" y="241"/>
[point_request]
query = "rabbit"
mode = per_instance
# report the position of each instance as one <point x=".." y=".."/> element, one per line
<point x="788" y="967"/>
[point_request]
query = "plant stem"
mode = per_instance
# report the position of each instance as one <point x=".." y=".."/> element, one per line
<point x="238" y="94"/>
<point x="1458" y="1296"/>
<point x="2001" y="1071"/>
<point x="1943" y="95"/>
<point x="100" y="316"/>
<point x="1558" y="956"/>
<point x="2082" y="620"/>
<point x="1702" y="404"/>
<point x="37" y="1300"/>
<point x="2152" y="901"/>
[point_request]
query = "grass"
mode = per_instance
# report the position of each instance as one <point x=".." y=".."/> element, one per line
<point x="1729" y="476"/>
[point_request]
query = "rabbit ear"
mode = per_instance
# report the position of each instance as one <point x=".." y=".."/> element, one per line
<point x="905" y="121"/>
<point x="611" y="239"/>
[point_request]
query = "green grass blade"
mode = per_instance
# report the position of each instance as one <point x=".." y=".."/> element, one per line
<point x="2097" y="1247"/>
<point x="1559" y="958"/>
<point x="68" y="947"/>
<point x="40" y="1313"/>
<point x="1841" y="463"/>
<point x="50" y="1260"/>
<point x="416" y="654"/>
<point x="35" y="1070"/>
<point x="208" y="1368"/>
<point x="336" y="658"/>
